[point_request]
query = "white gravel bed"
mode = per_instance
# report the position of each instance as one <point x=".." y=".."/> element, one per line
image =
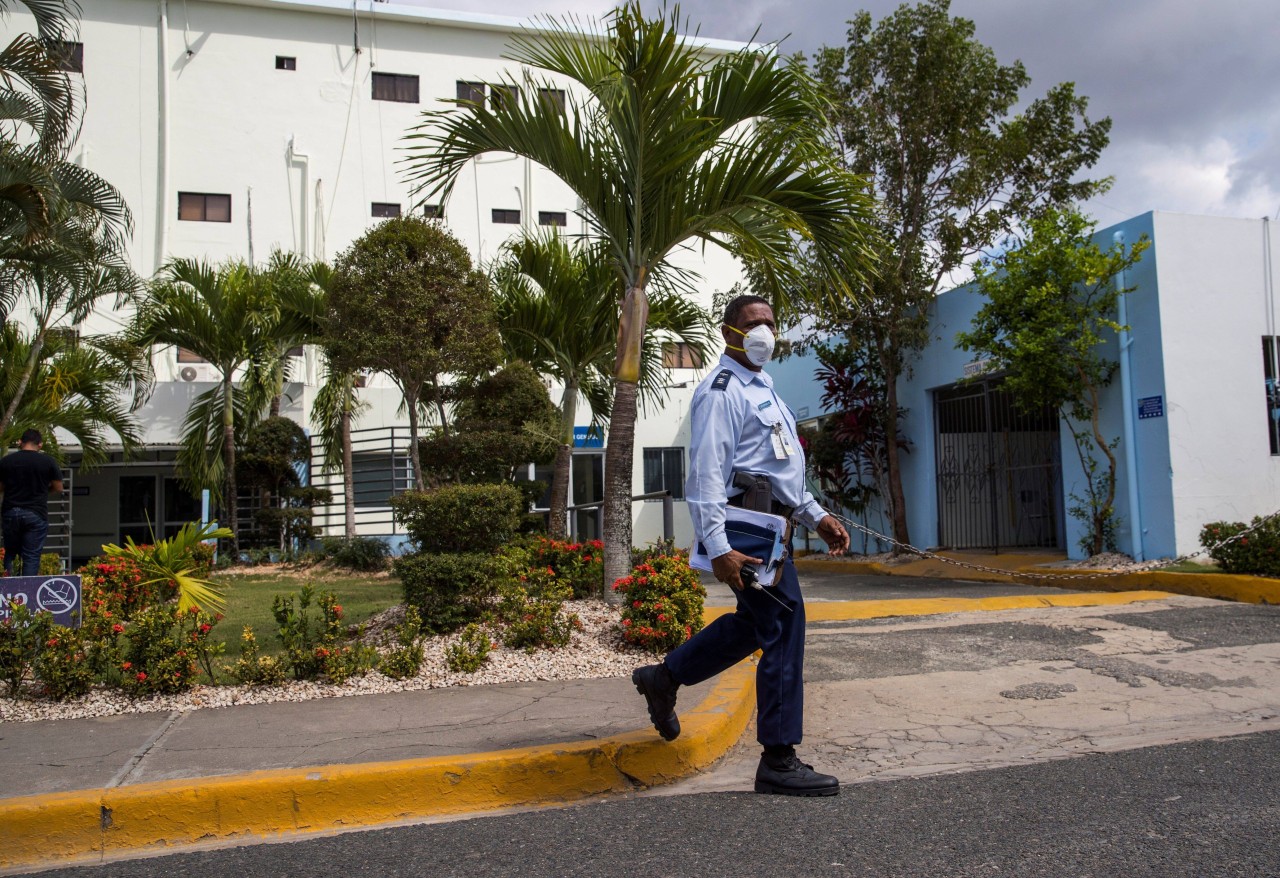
<point x="597" y="650"/>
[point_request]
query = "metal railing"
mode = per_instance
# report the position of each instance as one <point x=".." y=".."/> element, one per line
<point x="668" y="512"/>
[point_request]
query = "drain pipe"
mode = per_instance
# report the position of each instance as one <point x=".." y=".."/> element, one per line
<point x="162" y="196"/>
<point x="1130" y="441"/>
<point x="303" y="161"/>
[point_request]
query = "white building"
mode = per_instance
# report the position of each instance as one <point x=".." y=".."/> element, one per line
<point x="1202" y="441"/>
<point x="233" y="127"/>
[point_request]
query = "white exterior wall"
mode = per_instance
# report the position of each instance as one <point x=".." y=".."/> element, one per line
<point x="232" y="118"/>
<point x="1217" y="302"/>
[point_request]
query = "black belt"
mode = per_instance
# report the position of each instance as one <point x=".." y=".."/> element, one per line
<point x="775" y="508"/>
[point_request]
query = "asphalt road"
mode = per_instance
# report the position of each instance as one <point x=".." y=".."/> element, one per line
<point x="1208" y="808"/>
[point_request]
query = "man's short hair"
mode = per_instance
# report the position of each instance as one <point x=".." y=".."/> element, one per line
<point x="32" y="437"/>
<point x="734" y="309"/>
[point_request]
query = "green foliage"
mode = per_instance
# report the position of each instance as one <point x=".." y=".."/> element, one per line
<point x="449" y="590"/>
<point x="460" y="518"/>
<point x="356" y="553"/>
<point x="662" y="603"/>
<point x="61" y="665"/>
<point x="268" y="464"/>
<point x="172" y="561"/>
<point x="469" y="652"/>
<point x="1051" y="303"/>
<point x="114" y="588"/>
<point x="23" y="635"/>
<point x="531" y="610"/>
<point x="158" y="658"/>
<point x="501" y="422"/>
<point x="404" y="660"/>
<point x="1257" y="554"/>
<point x="253" y="669"/>
<point x="310" y="644"/>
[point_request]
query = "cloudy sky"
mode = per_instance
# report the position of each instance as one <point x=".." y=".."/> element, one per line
<point x="1192" y="86"/>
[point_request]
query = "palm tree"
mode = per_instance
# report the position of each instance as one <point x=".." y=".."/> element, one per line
<point x="555" y="312"/>
<point x="663" y="143"/>
<point x="226" y="316"/>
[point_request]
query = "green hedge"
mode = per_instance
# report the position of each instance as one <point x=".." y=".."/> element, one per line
<point x="460" y="518"/>
<point x="1257" y="554"/>
<point x="448" y="590"/>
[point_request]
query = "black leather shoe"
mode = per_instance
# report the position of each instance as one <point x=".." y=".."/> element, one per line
<point x="788" y="776"/>
<point x="654" y="682"/>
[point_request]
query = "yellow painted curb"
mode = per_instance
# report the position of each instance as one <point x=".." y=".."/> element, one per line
<point x="90" y="824"/>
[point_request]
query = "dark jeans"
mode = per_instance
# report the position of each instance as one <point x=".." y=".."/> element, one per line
<point x="24" y="534"/>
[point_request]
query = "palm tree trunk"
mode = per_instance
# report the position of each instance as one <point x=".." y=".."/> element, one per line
<point x="348" y="477"/>
<point x="229" y="453"/>
<point x="618" y="462"/>
<point x="37" y="344"/>
<point x="897" y="498"/>
<point x="558" y="526"/>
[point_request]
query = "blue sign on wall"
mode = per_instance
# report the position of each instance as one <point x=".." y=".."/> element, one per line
<point x="59" y="595"/>
<point x="588" y="437"/>
<point x="1151" y="407"/>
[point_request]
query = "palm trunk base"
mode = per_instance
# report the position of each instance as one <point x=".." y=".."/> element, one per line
<point x="618" y="462"/>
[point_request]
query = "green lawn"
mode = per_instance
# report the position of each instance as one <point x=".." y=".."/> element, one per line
<point x="249" y="598"/>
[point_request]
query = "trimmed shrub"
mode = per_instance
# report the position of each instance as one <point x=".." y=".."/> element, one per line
<point x="448" y="591"/>
<point x="356" y="553"/>
<point x="460" y="518"/>
<point x="578" y="565"/>
<point x="158" y="659"/>
<point x="115" y="587"/>
<point x="1257" y="554"/>
<point x="662" y="603"/>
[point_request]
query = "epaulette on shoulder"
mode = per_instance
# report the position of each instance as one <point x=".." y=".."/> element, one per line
<point x="721" y="381"/>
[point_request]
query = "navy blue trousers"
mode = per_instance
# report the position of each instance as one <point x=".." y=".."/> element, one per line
<point x="759" y="623"/>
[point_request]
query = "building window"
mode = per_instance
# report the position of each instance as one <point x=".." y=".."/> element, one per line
<point x="385" y="209"/>
<point x="506" y="216"/>
<point x="67" y="337"/>
<point x="284" y="62"/>
<point x="664" y="471"/>
<point x="471" y="91"/>
<point x="552" y="97"/>
<point x="1270" y="360"/>
<point x="186" y="356"/>
<point x="433" y="211"/>
<point x="553" y="218"/>
<point x="70" y="56"/>
<point x="504" y="96"/>
<point x="204" y="207"/>
<point x="295" y="351"/>
<point x="401" y="87"/>
<point x="678" y="355"/>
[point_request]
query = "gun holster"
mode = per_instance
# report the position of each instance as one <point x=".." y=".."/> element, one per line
<point x="757" y="493"/>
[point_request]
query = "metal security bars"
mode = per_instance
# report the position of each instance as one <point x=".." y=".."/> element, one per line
<point x="380" y="469"/>
<point x="999" y="474"/>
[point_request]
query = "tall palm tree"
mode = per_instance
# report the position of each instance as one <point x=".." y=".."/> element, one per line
<point x="663" y="143"/>
<point x="556" y="312"/>
<point x="225" y="315"/>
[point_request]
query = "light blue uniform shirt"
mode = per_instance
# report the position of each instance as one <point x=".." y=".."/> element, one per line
<point x="732" y="415"/>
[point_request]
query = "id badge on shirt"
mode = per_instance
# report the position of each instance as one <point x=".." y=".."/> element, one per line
<point x="781" y="443"/>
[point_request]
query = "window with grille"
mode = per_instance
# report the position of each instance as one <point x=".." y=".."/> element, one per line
<point x="501" y="215"/>
<point x="552" y="97"/>
<point x="204" y="207"/>
<point x="399" y="87"/>
<point x="284" y="62"/>
<point x="385" y="209"/>
<point x="664" y="471"/>
<point x="553" y="218"/>
<point x="471" y="91"/>
<point x="503" y="95"/>
<point x="678" y="355"/>
<point x="433" y="211"/>
<point x="69" y="56"/>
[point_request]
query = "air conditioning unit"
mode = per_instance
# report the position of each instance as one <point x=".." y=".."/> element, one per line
<point x="198" y="372"/>
<point x="189" y="373"/>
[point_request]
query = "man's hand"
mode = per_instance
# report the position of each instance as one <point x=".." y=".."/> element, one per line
<point x="833" y="534"/>
<point x="728" y="567"/>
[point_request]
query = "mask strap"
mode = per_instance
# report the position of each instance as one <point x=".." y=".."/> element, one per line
<point x="740" y="332"/>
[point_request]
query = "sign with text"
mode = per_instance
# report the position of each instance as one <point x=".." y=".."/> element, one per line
<point x="1151" y="407"/>
<point x="59" y="595"/>
<point x="588" y="437"/>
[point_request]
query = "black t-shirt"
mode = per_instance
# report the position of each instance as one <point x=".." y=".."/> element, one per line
<point x="26" y="476"/>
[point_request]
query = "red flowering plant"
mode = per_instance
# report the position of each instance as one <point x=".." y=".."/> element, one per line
<point x="159" y="656"/>
<point x="61" y="665"/>
<point x="315" y="647"/>
<point x="115" y="589"/>
<point x="531" y="610"/>
<point x="662" y="602"/>
<point x="580" y="565"/>
<point x="1257" y="553"/>
<point x="23" y="635"/>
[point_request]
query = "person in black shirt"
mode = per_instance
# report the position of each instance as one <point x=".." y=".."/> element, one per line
<point x="27" y="478"/>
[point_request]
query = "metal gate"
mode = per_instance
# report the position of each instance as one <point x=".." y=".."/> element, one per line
<point x="999" y="470"/>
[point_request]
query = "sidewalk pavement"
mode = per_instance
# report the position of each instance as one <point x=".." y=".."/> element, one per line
<point x="93" y="789"/>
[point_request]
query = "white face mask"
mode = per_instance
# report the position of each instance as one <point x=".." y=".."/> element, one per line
<point x="756" y="344"/>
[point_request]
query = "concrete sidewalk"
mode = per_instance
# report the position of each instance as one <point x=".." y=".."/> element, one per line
<point x="85" y="790"/>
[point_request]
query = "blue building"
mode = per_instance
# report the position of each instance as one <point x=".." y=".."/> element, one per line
<point x="1195" y="409"/>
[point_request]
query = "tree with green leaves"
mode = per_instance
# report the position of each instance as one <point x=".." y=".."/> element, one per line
<point x="406" y="301"/>
<point x="1051" y="305"/>
<point x="664" y="143"/>
<point x="926" y="112"/>
<point x="555" y="313"/>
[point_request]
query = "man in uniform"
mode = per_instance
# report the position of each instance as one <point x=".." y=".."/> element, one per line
<point x="27" y="478"/>
<point x="741" y="428"/>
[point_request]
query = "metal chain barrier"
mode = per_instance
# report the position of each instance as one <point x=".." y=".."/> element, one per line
<point x="1144" y="567"/>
